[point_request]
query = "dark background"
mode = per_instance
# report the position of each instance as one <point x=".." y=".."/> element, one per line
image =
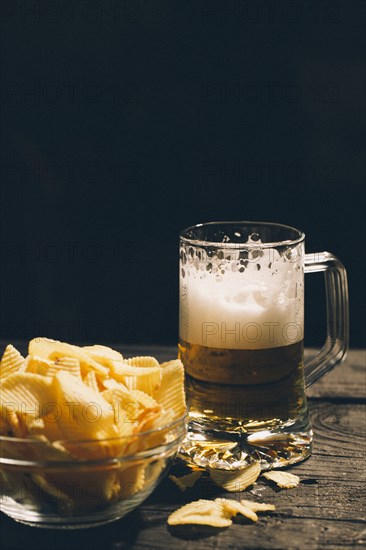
<point x="124" y="122"/>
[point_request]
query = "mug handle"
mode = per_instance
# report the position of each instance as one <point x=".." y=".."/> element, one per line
<point x="336" y="289"/>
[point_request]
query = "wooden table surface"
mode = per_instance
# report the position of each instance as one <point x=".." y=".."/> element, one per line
<point x="327" y="509"/>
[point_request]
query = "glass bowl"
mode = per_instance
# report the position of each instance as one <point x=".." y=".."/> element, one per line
<point x="93" y="485"/>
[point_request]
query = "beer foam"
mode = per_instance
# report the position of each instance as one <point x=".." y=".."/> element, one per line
<point x="243" y="304"/>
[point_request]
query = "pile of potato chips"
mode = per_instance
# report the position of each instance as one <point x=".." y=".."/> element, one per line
<point x="87" y="403"/>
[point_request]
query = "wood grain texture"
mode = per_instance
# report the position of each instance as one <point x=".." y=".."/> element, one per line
<point x="347" y="380"/>
<point x="327" y="509"/>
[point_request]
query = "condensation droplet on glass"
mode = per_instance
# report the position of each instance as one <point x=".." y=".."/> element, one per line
<point x="254" y="254"/>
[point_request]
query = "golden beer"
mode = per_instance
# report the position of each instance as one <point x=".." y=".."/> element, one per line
<point x="244" y="390"/>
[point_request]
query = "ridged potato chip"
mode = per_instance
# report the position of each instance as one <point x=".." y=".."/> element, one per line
<point x="145" y="400"/>
<point x="39" y="365"/>
<point x="171" y="391"/>
<point x="131" y="480"/>
<point x="84" y="412"/>
<point x="90" y="380"/>
<point x="187" y="481"/>
<point x="146" y="379"/>
<point x="107" y="357"/>
<point x="156" y="424"/>
<point x="127" y="407"/>
<point x="200" y="512"/>
<point x="53" y="349"/>
<point x="235" y="480"/>
<point x="71" y="365"/>
<point x="125" y="419"/>
<point x="118" y="392"/>
<point x="25" y="393"/>
<point x="147" y="420"/>
<point x="284" y="480"/>
<point x="142" y="361"/>
<point x="46" y="426"/>
<point x="11" y="362"/>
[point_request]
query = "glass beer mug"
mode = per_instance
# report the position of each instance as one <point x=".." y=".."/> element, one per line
<point x="241" y="339"/>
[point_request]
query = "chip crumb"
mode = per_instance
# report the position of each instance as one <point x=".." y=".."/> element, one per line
<point x="284" y="480"/>
<point x="187" y="481"/>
